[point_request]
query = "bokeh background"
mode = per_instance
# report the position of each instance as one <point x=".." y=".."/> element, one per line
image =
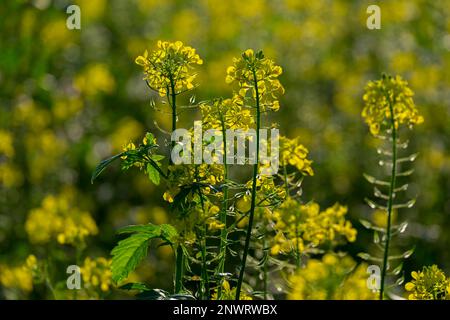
<point x="69" y="98"/>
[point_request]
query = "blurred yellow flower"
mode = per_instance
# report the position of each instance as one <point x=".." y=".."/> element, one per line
<point x="95" y="78"/>
<point x="96" y="274"/>
<point x="332" y="278"/>
<point x="59" y="219"/>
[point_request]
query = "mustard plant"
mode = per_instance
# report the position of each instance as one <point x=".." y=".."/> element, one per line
<point x="204" y="200"/>
<point x="389" y="107"/>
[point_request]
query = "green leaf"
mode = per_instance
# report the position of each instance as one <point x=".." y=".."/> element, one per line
<point x="153" y="174"/>
<point x="157" y="157"/>
<point x="144" y="228"/>
<point x="102" y="165"/>
<point x="128" y="254"/>
<point x="166" y="232"/>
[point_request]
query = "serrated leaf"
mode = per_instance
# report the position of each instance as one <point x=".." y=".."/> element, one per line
<point x="103" y="164"/>
<point x="128" y="254"/>
<point x="153" y="174"/>
<point x="148" y="228"/>
<point x="166" y="232"/>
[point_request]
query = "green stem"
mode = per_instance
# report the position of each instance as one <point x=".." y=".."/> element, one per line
<point x="253" y="200"/>
<point x="297" y="249"/>
<point x="390" y="200"/>
<point x="179" y="269"/>
<point x="179" y="264"/>
<point x="223" y="213"/>
<point x="173" y="104"/>
<point x="205" y="281"/>
<point x="265" y="270"/>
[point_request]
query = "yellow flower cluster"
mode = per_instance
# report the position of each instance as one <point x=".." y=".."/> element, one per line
<point x="228" y="112"/>
<point x="381" y="95"/>
<point x="184" y="175"/>
<point x="229" y="293"/>
<point x="170" y="67"/>
<point x="332" y="278"/>
<point x="199" y="216"/>
<point x="253" y="72"/>
<point x="428" y="284"/>
<point x="19" y="277"/>
<point x="95" y="79"/>
<point x="267" y="193"/>
<point x="96" y="273"/>
<point x="293" y="153"/>
<point x="59" y="219"/>
<point x="299" y="226"/>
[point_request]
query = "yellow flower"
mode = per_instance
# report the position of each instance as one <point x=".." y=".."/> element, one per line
<point x="59" y="219"/>
<point x="293" y="153"/>
<point x="301" y="227"/>
<point x="254" y="73"/>
<point x="96" y="274"/>
<point x="382" y="95"/>
<point x="428" y="284"/>
<point x="19" y="277"/>
<point x="95" y="78"/>
<point x="169" y="68"/>
<point x="333" y="278"/>
<point x="228" y="112"/>
<point x="6" y="144"/>
<point x="229" y="293"/>
<point x="31" y="262"/>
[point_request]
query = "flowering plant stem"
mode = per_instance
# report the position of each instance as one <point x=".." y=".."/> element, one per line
<point x="253" y="200"/>
<point x="179" y="256"/>
<point x="390" y="199"/>
<point x="204" y="272"/>
<point x="223" y="213"/>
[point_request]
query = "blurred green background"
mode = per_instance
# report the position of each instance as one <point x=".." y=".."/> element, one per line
<point x="69" y="98"/>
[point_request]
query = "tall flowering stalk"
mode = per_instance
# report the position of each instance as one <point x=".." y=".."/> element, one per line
<point x="223" y="115"/>
<point x="257" y="79"/>
<point x="388" y="106"/>
<point x="168" y="71"/>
